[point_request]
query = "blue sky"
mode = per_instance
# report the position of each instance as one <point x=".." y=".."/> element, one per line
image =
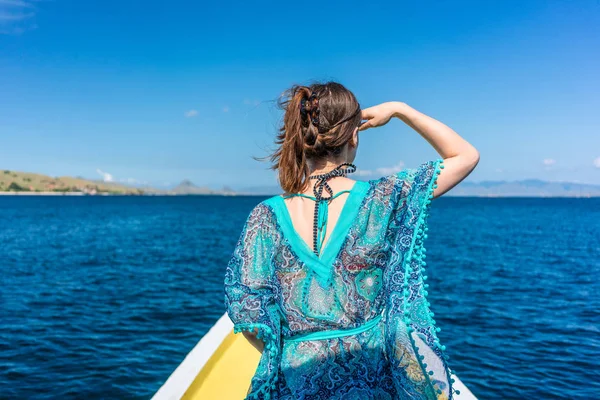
<point x="160" y="91"/>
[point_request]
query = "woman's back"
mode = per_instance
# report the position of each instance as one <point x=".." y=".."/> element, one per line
<point x="346" y="311"/>
<point x="316" y="288"/>
<point x="301" y="209"/>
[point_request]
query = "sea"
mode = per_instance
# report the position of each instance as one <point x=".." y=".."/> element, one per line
<point x="102" y="297"/>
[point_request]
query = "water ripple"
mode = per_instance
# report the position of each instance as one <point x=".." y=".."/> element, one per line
<point x="103" y="297"/>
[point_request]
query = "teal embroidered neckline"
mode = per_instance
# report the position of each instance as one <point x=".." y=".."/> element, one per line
<point x="321" y="221"/>
<point x="322" y="265"/>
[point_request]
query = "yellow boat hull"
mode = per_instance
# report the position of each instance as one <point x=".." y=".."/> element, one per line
<point x="227" y="373"/>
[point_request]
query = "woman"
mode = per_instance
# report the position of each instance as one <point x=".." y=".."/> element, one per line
<point x="328" y="279"/>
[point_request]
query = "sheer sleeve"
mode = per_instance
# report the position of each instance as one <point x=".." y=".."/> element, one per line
<point x="411" y="334"/>
<point x="250" y="297"/>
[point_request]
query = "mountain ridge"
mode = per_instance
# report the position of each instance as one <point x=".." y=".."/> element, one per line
<point x="15" y="182"/>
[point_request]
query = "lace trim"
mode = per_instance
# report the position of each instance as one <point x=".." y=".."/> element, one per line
<point x="417" y="252"/>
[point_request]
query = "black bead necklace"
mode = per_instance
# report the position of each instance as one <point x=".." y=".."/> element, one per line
<point x="322" y="184"/>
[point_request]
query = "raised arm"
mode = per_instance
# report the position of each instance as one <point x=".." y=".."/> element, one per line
<point x="460" y="157"/>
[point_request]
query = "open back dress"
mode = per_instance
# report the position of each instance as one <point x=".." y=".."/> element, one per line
<point x="354" y="322"/>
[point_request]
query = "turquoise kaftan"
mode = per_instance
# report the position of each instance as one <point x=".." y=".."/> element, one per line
<point x="353" y="322"/>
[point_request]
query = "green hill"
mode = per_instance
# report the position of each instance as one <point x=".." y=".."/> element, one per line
<point x="13" y="181"/>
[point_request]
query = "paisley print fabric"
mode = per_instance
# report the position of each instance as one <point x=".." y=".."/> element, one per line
<point x="354" y="322"/>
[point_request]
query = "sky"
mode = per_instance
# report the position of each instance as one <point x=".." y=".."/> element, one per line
<point x="155" y="92"/>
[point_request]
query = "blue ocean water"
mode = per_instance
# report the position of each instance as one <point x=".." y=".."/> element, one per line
<point x="102" y="297"/>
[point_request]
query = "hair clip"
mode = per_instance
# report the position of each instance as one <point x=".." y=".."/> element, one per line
<point x="310" y="106"/>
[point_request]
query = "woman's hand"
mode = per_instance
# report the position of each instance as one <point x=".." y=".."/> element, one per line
<point x="460" y="157"/>
<point x="378" y="115"/>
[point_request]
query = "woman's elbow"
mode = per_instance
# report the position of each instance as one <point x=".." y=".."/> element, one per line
<point x="252" y="337"/>
<point x="471" y="157"/>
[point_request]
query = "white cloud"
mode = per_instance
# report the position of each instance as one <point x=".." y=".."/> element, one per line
<point x="381" y="170"/>
<point x="549" y="161"/>
<point x="363" y="172"/>
<point x="17" y="16"/>
<point x="191" y="113"/>
<point x="597" y="162"/>
<point x="225" y="109"/>
<point x="106" y="177"/>
<point x="391" y="170"/>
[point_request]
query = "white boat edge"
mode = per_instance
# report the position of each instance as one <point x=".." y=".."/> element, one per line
<point x="181" y="379"/>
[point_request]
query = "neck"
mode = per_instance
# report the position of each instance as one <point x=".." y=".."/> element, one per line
<point x="324" y="166"/>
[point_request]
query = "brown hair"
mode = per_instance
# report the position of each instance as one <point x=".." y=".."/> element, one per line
<point x="299" y="139"/>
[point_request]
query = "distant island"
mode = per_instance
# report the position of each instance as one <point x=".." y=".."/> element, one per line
<point x="525" y="188"/>
<point x="188" y="188"/>
<point x="24" y="183"/>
